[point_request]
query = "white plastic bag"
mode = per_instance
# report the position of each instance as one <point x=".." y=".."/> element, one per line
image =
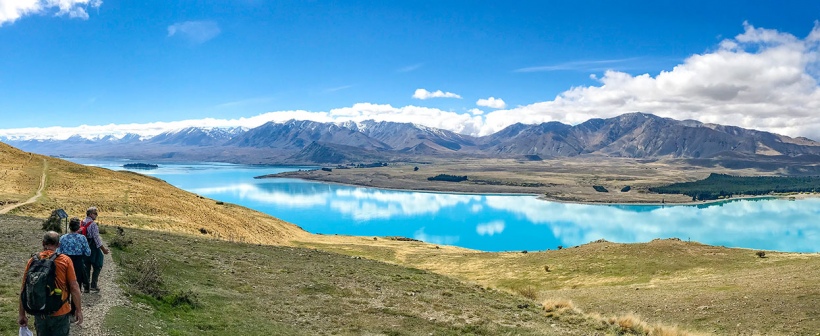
<point x="25" y="332"/>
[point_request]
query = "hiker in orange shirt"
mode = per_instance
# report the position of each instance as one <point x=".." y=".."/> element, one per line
<point x="38" y="295"/>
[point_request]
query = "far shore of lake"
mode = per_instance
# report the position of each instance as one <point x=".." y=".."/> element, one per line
<point x="448" y="187"/>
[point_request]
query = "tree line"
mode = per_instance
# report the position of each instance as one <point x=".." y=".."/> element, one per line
<point x="722" y="186"/>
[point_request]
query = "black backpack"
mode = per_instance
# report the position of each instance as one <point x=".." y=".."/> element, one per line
<point x="40" y="294"/>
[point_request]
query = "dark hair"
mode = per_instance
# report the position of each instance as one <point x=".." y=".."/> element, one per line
<point x="74" y="224"/>
<point x="51" y="238"/>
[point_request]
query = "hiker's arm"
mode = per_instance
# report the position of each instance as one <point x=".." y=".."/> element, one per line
<point x="22" y="319"/>
<point x="76" y="297"/>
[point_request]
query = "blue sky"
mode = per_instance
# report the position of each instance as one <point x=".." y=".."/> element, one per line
<point x="97" y="65"/>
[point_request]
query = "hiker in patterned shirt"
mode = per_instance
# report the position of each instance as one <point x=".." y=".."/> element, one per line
<point x="75" y="246"/>
<point x="95" y="242"/>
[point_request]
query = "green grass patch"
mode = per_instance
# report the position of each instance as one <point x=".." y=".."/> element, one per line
<point x="250" y="289"/>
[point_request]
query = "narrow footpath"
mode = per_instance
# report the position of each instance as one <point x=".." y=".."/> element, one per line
<point x="97" y="305"/>
<point x="34" y="198"/>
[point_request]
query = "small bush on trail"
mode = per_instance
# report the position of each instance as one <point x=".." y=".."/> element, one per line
<point x="53" y="223"/>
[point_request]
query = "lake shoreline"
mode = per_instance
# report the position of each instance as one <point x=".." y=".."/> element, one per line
<point x="538" y="195"/>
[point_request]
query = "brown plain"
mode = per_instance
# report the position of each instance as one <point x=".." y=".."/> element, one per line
<point x="564" y="179"/>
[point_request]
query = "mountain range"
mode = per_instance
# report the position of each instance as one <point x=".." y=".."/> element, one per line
<point x="632" y="135"/>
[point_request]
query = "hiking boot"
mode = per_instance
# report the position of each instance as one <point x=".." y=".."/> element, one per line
<point x="95" y="289"/>
<point x="86" y="290"/>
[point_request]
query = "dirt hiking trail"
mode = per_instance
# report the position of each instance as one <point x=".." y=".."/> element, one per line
<point x="34" y="198"/>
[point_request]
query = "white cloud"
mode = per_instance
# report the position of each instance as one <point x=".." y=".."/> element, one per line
<point x="338" y="88"/>
<point x="424" y="94"/>
<point x="491" y="228"/>
<point x="194" y="31"/>
<point x="492" y="102"/>
<point x="410" y="68"/>
<point x="596" y="65"/>
<point x="761" y="79"/>
<point x="11" y="10"/>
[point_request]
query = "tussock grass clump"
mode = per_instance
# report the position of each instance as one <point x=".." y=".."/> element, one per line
<point x="628" y="324"/>
<point x="554" y="305"/>
<point x="528" y="292"/>
<point x="631" y="324"/>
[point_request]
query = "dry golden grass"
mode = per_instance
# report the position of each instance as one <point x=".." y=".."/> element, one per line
<point x="553" y="305"/>
<point x="133" y="200"/>
<point x="20" y="173"/>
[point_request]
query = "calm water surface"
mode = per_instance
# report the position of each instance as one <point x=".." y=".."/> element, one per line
<point x="492" y="222"/>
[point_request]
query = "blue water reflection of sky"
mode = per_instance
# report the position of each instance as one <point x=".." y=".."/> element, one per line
<point x="494" y="222"/>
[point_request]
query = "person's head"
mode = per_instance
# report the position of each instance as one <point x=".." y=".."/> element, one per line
<point x="51" y="240"/>
<point x="91" y="212"/>
<point x="74" y="224"/>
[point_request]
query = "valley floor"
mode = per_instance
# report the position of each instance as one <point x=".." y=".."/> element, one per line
<point x="563" y="180"/>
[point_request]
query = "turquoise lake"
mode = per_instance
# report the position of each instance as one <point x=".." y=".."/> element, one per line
<point x="491" y="222"/>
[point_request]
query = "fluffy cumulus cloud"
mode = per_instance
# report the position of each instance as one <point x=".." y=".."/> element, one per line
<point x="761" y="79"/>
<point x="11" y="10"/>
<point x="492" y="102"/>
<point x="424" y="94"/>
<point x="194" y="31"/>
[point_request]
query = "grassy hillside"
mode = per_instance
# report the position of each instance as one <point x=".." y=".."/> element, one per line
<point x="20" y="173"/>
<point x="131" y="200"/>
<point x="213" y="287"/>
<point x="699" y="287"/>
<point x="702" y="288"/>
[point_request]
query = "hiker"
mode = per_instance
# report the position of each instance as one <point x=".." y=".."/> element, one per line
<point x="92" y="233"/>
<point x="35" y="292"/>
<point x="75" y="246"/>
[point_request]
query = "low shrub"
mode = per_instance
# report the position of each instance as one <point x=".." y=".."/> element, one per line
<point x="182" y="298"/>
<point x="761" y="254"/>
<point x="147" y="278"/>
<point x="528" y="292"/>
<point x="53" y="223"/>
<point x="599" y="188"/>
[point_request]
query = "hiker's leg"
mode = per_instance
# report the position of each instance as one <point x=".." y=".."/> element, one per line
<point x="95" y="275"/>
<point x="52" y="325"/>
<point x="88" y="269"/>
<point x="96" y="260"/>
<point x="79" y="270"/>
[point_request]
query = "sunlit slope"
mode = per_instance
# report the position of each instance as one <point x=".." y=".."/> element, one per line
<point x="132" y="200"/>
<point x="20" y="174"/>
